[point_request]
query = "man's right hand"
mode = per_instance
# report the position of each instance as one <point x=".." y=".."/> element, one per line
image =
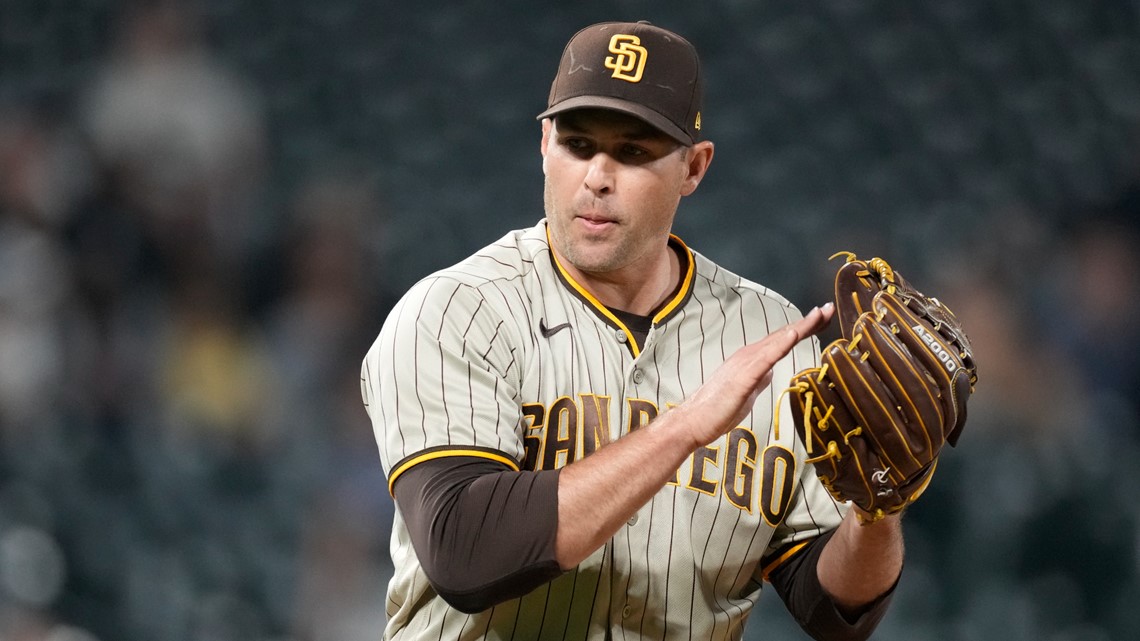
<point x="729" y="394"/>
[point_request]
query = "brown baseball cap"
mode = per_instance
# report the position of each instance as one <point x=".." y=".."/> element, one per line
<point x="635" y="68"/>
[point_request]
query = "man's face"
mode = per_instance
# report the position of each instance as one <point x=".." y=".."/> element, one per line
<point x="612" y="188"/>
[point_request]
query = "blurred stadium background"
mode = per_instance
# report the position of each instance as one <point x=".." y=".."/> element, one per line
<point x="207" y="207"/>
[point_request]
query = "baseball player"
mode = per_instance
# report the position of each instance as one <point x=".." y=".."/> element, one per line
<point x="580" y="422"/>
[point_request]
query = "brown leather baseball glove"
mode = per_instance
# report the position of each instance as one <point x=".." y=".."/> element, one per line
<point x="888" y="394"/>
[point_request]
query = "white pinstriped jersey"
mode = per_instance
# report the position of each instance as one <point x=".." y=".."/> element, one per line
<point x="504" y="356"/>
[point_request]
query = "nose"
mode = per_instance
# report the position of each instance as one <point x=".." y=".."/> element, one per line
<point x="600" y="174"/>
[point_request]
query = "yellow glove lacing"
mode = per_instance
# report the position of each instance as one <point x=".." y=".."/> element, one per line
<point x="814" y="419"/>
<point x="876" y="266"/>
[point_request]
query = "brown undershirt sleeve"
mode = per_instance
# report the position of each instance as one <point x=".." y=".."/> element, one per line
<point x="483" y="533"/>
<point x="797" y="583"/>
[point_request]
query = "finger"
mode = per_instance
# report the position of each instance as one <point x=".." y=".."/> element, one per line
<point x="814" y="322"/>
<point x="828" y="311"/>
<point x="778" y="344"/>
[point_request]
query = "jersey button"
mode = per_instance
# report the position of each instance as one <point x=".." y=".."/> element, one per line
<point x="638" y="376"/>
<point x="626" y="611"/>
<point x="620" y="335"/>
<point x="632" y="520"/>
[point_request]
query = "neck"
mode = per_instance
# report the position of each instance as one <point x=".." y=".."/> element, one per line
<point x="638" y="289"/>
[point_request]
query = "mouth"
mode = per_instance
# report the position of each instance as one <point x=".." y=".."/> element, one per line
<point x="595" y="222"/>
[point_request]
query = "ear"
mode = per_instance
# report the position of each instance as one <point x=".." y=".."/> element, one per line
<point x="543" y="145"/>
<point x="700" y="156"/>
<point x="547" y="127"/>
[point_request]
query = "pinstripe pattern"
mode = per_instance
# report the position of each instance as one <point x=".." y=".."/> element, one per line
<point x="459" y="363"/>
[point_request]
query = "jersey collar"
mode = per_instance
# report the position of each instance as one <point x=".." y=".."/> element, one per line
<point x="667" y="309"/>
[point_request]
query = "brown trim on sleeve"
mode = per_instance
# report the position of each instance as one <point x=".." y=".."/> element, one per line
<point x="443" y="451"/>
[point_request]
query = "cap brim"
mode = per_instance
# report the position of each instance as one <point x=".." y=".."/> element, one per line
<point x="624" y="106"/>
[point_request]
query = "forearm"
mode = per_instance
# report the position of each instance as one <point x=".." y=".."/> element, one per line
<point x="598" y="494"/>
<point x="861" y="562"/>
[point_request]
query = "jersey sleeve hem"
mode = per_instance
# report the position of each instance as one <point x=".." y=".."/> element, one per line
<point x="771" y="563"/>
<point x="433" y="453"/>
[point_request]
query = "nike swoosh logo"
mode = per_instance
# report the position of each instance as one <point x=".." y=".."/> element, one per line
<point x="550" y="331"/>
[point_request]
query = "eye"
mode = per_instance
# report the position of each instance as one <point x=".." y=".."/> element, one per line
<point x="577" y="146"/>
<point x="637" y="154"/>
<point x="633" y="151"/>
